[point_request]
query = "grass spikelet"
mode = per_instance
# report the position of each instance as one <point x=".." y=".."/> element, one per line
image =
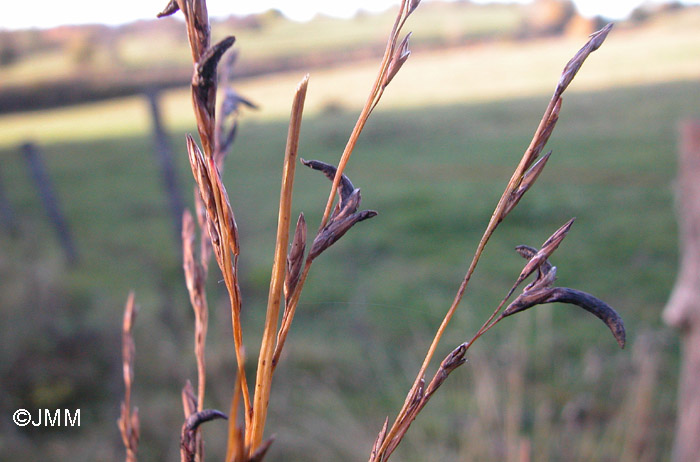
<point x="128" y="423"/>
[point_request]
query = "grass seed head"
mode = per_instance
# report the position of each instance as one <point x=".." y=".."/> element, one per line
<point x="295" y="258"/>
<point x="541" y="290"/>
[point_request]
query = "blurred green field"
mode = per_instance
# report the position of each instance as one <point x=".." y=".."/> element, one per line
<point x="433" y="162"/>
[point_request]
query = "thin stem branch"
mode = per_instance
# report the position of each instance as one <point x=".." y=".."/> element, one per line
<point x="505" y="205"/>
<point x="370" y="104"/>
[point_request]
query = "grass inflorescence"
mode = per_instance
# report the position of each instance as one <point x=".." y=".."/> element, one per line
<point x="218" y="235"/>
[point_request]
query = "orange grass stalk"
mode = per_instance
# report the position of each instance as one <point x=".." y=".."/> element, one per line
<point x="523" y="177"/>
<point x="392" y="61"/>
<point x="194" y="278"/>
<point x="263" y="380"/>
<point x="128" y="422"/>
<point x="221" y="223"/>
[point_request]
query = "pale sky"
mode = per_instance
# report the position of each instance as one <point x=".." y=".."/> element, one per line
<point x="48" y="13"/>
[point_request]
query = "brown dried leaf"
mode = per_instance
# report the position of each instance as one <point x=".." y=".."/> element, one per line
<point x="335" y="229"/>
<point x="533" y="172"/>
<point x="171" y="8"/>
<point x="573" y="66"/>
<point x="412" y="6"/>
<point x="204" y="85"/>
<point x="201" y="175"/>
<point x="528" y="180"/>
<point x="540" y="291"/>
<point x="549" y="246"/>
<point x="198" y="418"/>
<point x="135" y="428"/>
<point x="188" y="435"/>
<point x="345" y="187"/>
<point x="232" y="102"/>
<point x="189" y="400"/>
<point x="193" y="274"/>
<point x="206" y="191"/>
<point x="528" y="299"/>
<point x="397" y="61"/>
<point x="378" y="441"/>
<point x="259" y="453"/>
<point x="451" y="362"/>
<point x="228" y="220"/>
<point x="345" y="214"/>
<point x="595" y="306"/>
<point x="575" y="297"/>
<point x="206" y="67"/>
<point x="547" y="131"/>
<point x="455" y="358"/>
<point x="545" y="272"/>
<point x="295" y="258"/>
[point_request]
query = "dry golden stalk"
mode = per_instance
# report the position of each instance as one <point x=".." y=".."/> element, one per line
<point x="536" y="293"/>
<point x="220" y="221"/>
<point x="219" y="217"/>
<point x="390" y="65"/>
<point x="511" y="195"/>
<point x="263" y="380"/>
<point x="235" y="444"/>
<point x="194" y="278"/>
<point x="204" y="241"/>
<point x="423" y="394"/>
<point x="344" y="216"/>
<point x="223" y="234"/>
<point x="128" y="422"/>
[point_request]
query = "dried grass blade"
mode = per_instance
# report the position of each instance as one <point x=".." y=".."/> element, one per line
<point x="263" y="380"/>
<point x="171" y="8"/>
<point x="405" y="9"/>
<point x="295" y="258"/>
<point x="547" y="249"/>
<point x="378" y="441"/>
<point x="595" y="306"/>
<point x="235" y="441"/>
<point x="573" y="66"/>
<point x="189" y="400"/>
<point x="194" y="278"/>
<point x="128" y="421"/>
<point x="543" y="131"/>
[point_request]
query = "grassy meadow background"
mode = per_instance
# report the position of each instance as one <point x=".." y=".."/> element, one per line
<point x="433" y="162"/>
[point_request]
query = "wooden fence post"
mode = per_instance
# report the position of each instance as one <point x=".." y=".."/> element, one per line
<point x="164" y="157"/>
<point x="683" y="308"/>
<point x="7" y="216"/>
<point x="50" y="200"/>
